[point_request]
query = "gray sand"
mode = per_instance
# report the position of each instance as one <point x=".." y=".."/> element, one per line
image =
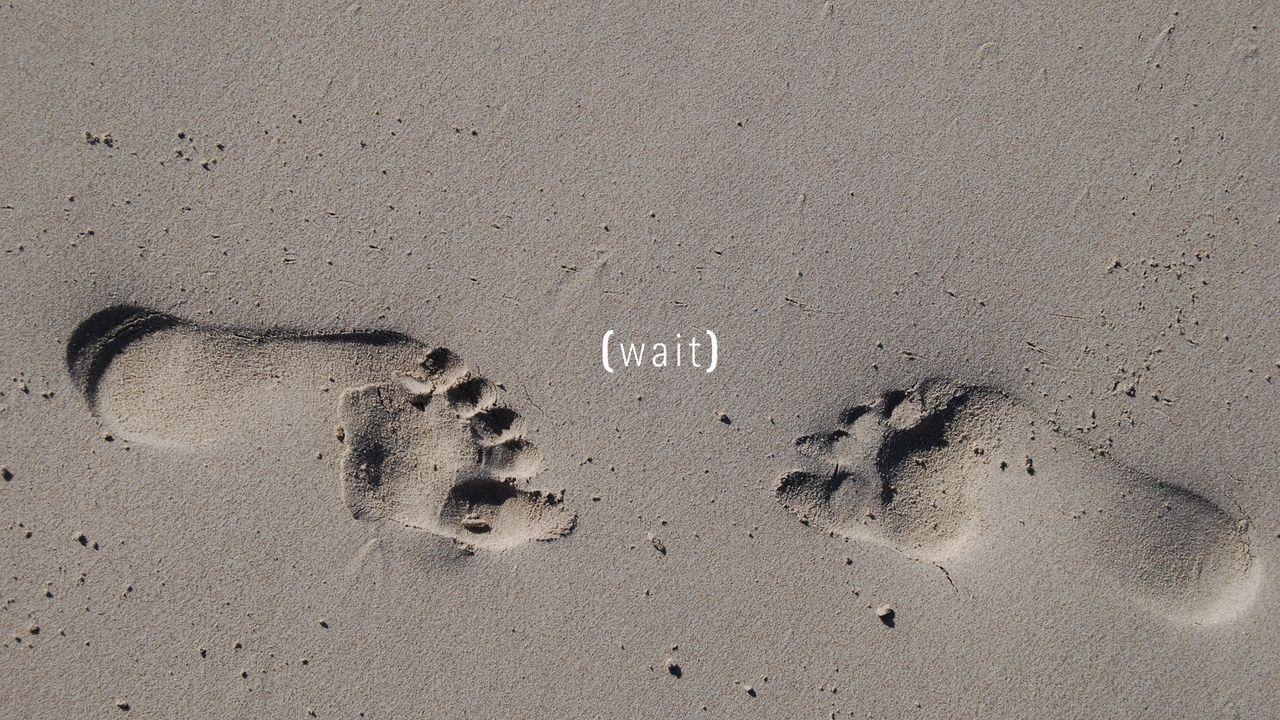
<point x="993" y="431"/>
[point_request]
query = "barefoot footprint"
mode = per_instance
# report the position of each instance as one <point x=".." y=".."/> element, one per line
<point x="424" y="442"/>
<point x="917" y="469"/>
<point x="433" y="450"/>
<point x="893" y="472"/>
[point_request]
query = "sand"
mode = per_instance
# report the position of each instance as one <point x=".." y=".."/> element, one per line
<point x="304" y="406"/>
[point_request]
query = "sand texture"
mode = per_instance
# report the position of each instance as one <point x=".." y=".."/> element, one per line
<point x="322" y="391"/>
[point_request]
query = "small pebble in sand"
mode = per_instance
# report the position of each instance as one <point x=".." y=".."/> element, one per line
<point x="749" y="690"/>
<point x="674" y="668"/>
<point x="6" y="473"/>
<point x="725" y="419"/>
<point x="94" y="139"/>
<point x="124" y="706"/>
<point x="475" y="524"/>
<point x="886" y="614"/>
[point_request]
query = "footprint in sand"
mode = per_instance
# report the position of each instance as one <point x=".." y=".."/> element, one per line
<point x="433" y="450"/>
<point x="425" y="442"/>
<point x="920" y="471"/>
